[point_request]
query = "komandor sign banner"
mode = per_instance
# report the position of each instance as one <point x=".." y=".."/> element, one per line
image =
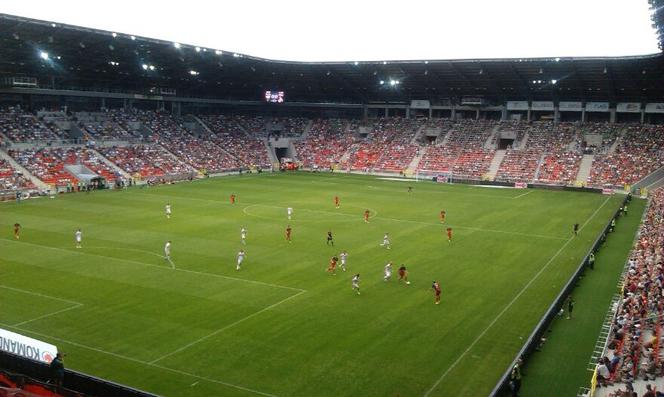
<point x="517" y="105"/>
<point x="23" y="346"/>
<point x="567" y="106"/>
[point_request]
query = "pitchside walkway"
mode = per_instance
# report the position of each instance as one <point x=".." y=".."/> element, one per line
<point x="562" y="365"/>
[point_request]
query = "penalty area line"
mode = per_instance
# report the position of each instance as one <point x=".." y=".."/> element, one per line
<point x="509" y="305"/>
<point x="220" y="330"/>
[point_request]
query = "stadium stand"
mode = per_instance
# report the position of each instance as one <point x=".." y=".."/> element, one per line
<point x="634" y="352"/>
<point x="326" y="143"/>
<point x="146" y="161"/>
<point x="21" y="126"/>
<point x="229" y="135"/>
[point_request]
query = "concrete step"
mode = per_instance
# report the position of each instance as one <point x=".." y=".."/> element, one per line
<point x="495" y="164"/>
<point x="584" y="168"/>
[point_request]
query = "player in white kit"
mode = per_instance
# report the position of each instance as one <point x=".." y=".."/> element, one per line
<point x="388" y="272"/>
<point x="240" y="258"/>
<point x="386" y="241"/>
<point x="356" y="283"/>
<point x="243" y="236"/>
<point x="168" y="210"/>
<point x="78" y="236"/>
<point x="289" y="210"/>
<point x="343" y="256"/>
<point x="167" y="253"/>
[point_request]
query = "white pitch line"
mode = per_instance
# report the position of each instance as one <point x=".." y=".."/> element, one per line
<point x="48" y="315"/>
<point x="220" y="330"/>
<point x="71" y="251"/>
<point x="135" y="360"/>
<point x="523" y="194"/>
<point x="39" y="295"/>
<point x="509" y="305"/>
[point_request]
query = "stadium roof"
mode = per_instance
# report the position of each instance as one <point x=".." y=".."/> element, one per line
<point x="72" y="57"/>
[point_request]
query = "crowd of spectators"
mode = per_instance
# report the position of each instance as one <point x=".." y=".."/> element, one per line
<point x="145" y="161"/>
<point x="49" y="164"/>
<point x="106" y="130"/>
<point x="11" y="179"/>
<point x="325" y="144"/>
<point x="633" y="345"/>
<point x="229" y="135"/>
<point x="463" y="152"/>
<point x="639" y="152"/>
<point x="388" y="147"/>
<point x="20" y="126"/>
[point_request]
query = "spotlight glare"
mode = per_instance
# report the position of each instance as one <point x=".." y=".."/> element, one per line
<point x="151" y="67"/>
<point x="198" y="49"/>
<point x="193" y="73"/>
<point x="114" y="35"/>
<point x="176" y="45"/>
<point x="43" y="55"/>
<point x="382" y="82"/>
<point x="53" y="25"/>
<point x="356" y="63"/>
<point x="144" y="66"/>
<point x="218" y="52"/>
<point x="554" y="81"/>
<point x="132" y="37"/>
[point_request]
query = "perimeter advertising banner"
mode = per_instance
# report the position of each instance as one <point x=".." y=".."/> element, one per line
<point x="567" y="106"/>
<point x="657" y="107"/>
<point x="23" y="346"/>
<point x="420" y="104"/>
<point x="597" y="107"/>
<point x="517" y="105"/>
<point x="628" y="107"/>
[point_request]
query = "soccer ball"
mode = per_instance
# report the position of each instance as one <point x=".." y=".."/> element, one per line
<point x="408" y="282"/>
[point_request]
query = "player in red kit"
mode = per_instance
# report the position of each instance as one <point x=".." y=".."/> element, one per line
<point x="288" y="234"/>
<point x="442" y="216"/>
<point x="17" y="231"/>
<point x="449" y="234"/>
<point x="336" y="201"/>
<point x="332" y="267"/>
<point x="403" y="274"/>
<point x="232" y="198"/>
<point x="436" y="291"/>
<point x="366" y="216"/>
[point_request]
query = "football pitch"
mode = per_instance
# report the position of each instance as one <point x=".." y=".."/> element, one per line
<point x="283" y="326"/>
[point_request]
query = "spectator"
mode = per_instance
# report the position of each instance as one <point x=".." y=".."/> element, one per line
<point x="57" y="368"/>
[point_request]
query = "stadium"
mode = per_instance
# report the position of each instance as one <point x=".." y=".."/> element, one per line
<point x="183" y="220"/>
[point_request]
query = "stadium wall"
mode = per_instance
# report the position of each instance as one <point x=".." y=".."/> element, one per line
<point x="73" y="380"/>
<point x="502" y="387"/>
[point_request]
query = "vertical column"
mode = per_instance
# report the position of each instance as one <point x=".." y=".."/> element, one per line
<point x="365" y="112"/>
<point x="643" y="116"/>
<point x="612" y="116"/>
<point x="583" y="115"/>
<point x="407" y="112"/>
<point x="529" y="115"/>
<point x="102" y="103"/>
<point x="453" y="113"/>
<point x="430" y="113"/>
<point x="477" y="114"/>
<point x="387" y="112"/>
<point x="556" y="114"/>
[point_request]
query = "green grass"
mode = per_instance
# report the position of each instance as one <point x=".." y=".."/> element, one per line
<point x="282" y="326"/>
<point x="560" y="369"/>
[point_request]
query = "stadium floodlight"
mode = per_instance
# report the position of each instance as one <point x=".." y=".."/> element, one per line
<point x="151" y="67"/>
<point x="382" y="82"/>
<point x="132" y="37"/>
<point x="236" y="55"/>
<point x="114" y="35"/>
<point x="53" y="25"/>
<point x="384" y="62"/>
<point x="217" y="52"/>
<point x="393" y="82"/>
<point x="144" y="66"/>
<point x="534" y="81"/>
<point x="59" y="57"/>
<point x="356" y="63"/>
<point x="557" y="59"/>
<point x="177" y="45"/>
<point x="193" y="73"/>
<point x="198" y="49"/>
<point x="554" y="81"/>
<point x="43" y="55"/>
<point x="426" y="62"/>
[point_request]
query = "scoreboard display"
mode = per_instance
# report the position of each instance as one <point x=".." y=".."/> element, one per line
<point x="274" y="96"/>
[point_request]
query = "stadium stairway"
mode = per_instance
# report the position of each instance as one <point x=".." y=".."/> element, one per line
<point x="539" y="166"/>
<point x="270" y="152"/>
<point x="495" y="164"/>
<point x="36" y="181"/>
<point x="524" y="141"/>
<point x="584" y="168"/>
<point x="613" y="147"/>
<point x="488" y="144"/>
<point x="417" y="136"/>
<point x="305" y="133"/>
<point x="111" y="164"/>
<point x="412" y="167"/>
<point x="445" y="138"/>
<point x="202" y="124"/>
